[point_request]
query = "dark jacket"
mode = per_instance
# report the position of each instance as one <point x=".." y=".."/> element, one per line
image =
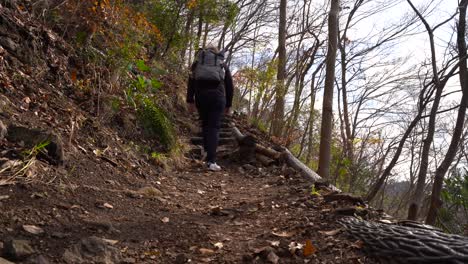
<point x="203" y="88"/>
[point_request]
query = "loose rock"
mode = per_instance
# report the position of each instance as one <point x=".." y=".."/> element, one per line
<point x="3" y="130"/>
<point x="18" y="249"/>
<point x="4" y="261"/>
<point x="92" y="250"/>
<point x="32" y="137"/>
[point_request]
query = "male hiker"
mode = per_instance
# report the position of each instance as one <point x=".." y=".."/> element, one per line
<point x="210" y="90"/>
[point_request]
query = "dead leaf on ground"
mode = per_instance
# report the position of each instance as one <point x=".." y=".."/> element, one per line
<point x="165" y="220"/>
<point x="274" y="243"/>
<point x="294" y="246"/>
<point x="284" y="234"/>
<point x="206" y="251"/>
<point x="358" y="244"/>
<point x="218" y="245"/>
<point x="33" y="229"/>
<point x="308" y="249"/>
<point x="110" y="241"/>
<point x="331" y="232"/>
<point x="108" y="206"/>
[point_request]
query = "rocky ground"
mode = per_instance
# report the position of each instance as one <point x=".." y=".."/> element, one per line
<point x="242" y="214"/>
<point x="98" y="196"/>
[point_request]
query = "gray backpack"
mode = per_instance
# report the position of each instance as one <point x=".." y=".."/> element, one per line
<point x="209" y="67"/>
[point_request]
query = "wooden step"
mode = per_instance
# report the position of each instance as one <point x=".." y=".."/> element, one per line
<point x="223" y="134"/>
<point x="221" y="141"/>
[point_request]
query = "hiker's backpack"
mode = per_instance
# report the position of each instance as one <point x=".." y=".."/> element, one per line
<point x="209" y="66"/>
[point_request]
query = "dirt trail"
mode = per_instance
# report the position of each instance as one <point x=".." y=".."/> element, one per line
<point x="198" y="217"/>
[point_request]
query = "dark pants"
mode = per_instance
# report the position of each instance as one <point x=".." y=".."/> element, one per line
<point x="211" y="108"/>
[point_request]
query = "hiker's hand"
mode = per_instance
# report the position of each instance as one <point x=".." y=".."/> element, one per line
<point x="227" y="111"/>
<point x="192" y="108"/>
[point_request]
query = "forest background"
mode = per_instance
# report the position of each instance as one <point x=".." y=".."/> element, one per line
<point x="399" y="97"/>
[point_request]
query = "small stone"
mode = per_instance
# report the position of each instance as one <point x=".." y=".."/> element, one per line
<point x="129" y="260"/>
<point x="59" y="235"/>
<point x="150" y="192"/>
<point x="37" y="260"/>
<point x="133" y="194"/>
<point x="18" y="249"/>
<point x="3" y="130"/>
<point x="4" y="261"/>
<point x="272" y="258"/>
<point x="92" y="250"/>
<point x="248" y="167"/>
<point x="108" y="206"/>
<point x="181" y="259"/>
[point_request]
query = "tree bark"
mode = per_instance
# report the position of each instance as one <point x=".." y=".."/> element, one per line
<point x="436" y="203"/>
<point x="278" y="111"/>
<point x="327" y="109"/>
<point x="418" y="194"/>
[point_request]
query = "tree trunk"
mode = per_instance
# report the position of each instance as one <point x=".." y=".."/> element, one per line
<point x="327" y="109"/>
<point x="199" y="31"/>
<point x="278" y="111"/>
<point x="375" y="189"/>
<point x="187" y="35"/>
<point x="310" y="143"/>
<point x="452" y="150"/>
<point x="418" y="195"/>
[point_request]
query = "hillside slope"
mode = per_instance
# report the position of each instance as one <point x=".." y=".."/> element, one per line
<point x="81" y="182"/>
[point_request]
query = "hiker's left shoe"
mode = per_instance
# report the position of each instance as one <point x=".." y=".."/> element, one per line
<point x="212" y="166"/>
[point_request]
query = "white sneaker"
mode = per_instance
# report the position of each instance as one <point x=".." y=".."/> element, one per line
<point x="213" y="166"/>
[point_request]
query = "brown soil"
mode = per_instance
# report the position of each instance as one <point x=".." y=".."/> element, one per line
<point x="239" y="210"/>
<point x="191" y="215"/>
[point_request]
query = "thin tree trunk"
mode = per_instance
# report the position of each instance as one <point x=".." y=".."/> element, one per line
<point x="418" y="194"/>
<point x="310" y="145"/>
<point x="327" y="109"/>
<point x="187" y="35"/>
<point x="205" y="36"/>
<point x="452" y="150"/>
<point x="200" y="30"/>
<point x="278" y="111"/>
<point x="378" y="185"/>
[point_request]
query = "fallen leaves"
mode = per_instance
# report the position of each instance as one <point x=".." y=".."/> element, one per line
<point x="358" y="244"/>
<point x="218" y="245"/>
<point x="165" y="219"/>
<point x="331" y="232"/>
<point x="284" y="234"/>
<point x="206" y="251"/>
<point x="32" y="229"/>
<point x="308" y="249"/>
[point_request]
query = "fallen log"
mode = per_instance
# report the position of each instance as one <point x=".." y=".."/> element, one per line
<point x="285" y="155"/>
<point x="343" y="197"/>
<point x="401" y="244"/>
<point x="266" y="161"/>
<point x="272" y="154"/>
<point x="221" y="141"/>
<point x="298" y="165"/>
<point x="246" y="153"/>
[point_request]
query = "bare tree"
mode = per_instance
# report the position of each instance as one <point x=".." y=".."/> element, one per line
<point x="452" y="150"/>
<point x="278" y="111"/>
<point x="327" y="109"/>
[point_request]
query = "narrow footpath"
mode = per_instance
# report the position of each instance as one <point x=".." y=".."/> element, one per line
<point x="114" y="208"/>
